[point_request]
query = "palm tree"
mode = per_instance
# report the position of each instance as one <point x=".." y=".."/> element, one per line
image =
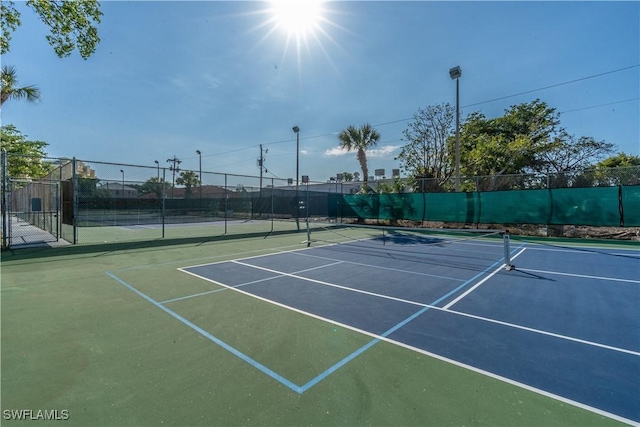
<point x="10" y="91"/>
<point x="360" y="139"/>
<point x="189" y="179"/>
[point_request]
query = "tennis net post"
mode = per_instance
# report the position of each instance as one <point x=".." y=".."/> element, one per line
<point x="507" y="251"/>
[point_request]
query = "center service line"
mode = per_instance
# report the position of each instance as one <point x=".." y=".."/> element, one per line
<point x="471" y="289"/>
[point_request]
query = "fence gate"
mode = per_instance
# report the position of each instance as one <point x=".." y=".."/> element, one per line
<point x="33" y="212"/>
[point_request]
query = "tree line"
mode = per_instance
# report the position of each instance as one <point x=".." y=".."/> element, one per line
<point x="527" y="139"/>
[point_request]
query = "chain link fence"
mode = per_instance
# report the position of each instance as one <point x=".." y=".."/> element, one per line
<point x="84" y="201"/>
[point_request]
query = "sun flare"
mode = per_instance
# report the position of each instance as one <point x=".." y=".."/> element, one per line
<point x="297" y="17"/>
<point x="302" y="26"/>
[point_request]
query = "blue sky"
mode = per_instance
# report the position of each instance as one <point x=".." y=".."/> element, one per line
<point x="170" y="78"/>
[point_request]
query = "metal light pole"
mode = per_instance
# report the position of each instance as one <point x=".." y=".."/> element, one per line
<point x="455" y="74"/>
<point x="158" y="166"/>
<point x="296" y="129"/>
<point x="123" y="195"/>
<point x="200" y="176"/>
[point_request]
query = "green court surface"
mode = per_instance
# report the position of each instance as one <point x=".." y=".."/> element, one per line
<point x="75" y="339"/>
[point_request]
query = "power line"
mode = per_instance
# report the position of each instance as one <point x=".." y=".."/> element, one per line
<point x="464" y="106"/>
<point x="600" y="105"/>
<point x="501" y="98"/>
<point x="555" y="85"/>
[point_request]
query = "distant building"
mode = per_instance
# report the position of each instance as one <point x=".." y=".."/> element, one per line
<point x="118" y="190"/>
<point x="64" y="170"/>
<point x="208" y="192"/>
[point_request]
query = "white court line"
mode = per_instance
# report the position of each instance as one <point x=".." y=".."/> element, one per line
<point x="433" y="307"/>
<point x="248" y="283"/>
<point x="274" y="251"/>
<point x="333" y="285"/>
<point x="468" y="291"/>
<point x="383" y="268"/>
<point x="445" y="359"/>
<point x="513" y="382"/>
<point x="277" y="252"/>
<point x="541" y="332"/>
<point x="613" y="279"/>
<point x="445" y="309"/>
<point x="586" y="250"/>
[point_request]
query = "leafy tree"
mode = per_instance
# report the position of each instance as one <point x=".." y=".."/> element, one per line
<point x="9" y="22"/>
<point x="87" y="186"/>
<point x="426" y="158"/>
<point x="621" y="169"/>
<point x="24" y="156"/>
<point x="619" y="160"/>
<point x="395" y="186"/>
<point x="189" y="179"/>
<point x="11" y="91"/>
<point x="347" y="176"/>
<point x="510" y="144"/>
<point x="153" y="185"/>
<point x="71" y="24"/>
<point x="571" y="153"/>
<point x="360" y="139"/>
<point x="569" y="159"/>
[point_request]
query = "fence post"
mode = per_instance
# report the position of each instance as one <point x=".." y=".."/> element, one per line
<point x="74" y="184"/>
<point x="4" y="200"/>
<point x="164" y="197"/>
<point x="272" y="208"/>
<point x="226" y="198"/>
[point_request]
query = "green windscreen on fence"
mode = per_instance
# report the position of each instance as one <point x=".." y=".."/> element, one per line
<point x="597" y="206"/>
<point x="451" y="207"/>
<point x="585" y="206"/>
<point x="631" y="206"/>
<point x="514" y="207"/>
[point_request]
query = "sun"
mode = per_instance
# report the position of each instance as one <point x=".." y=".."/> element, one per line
<point x="301" y="24"/>
<point x="297" y="18"/>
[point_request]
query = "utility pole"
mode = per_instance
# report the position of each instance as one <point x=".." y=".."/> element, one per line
<point x="261" y="160"/>
<point x="174" y="168"/>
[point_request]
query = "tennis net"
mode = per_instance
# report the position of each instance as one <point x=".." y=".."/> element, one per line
<point x="459" y="243"/>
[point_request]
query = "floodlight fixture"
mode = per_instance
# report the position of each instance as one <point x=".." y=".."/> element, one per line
<point x="455" y="72"/>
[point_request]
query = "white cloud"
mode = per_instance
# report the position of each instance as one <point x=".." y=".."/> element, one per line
<point x="383" y="151"/>
<point x="335" y="151"/>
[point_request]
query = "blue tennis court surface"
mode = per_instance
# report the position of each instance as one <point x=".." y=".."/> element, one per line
<point x="564" y="323"/>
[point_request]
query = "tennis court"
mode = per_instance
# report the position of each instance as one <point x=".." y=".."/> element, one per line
<point x="365" y="325"/>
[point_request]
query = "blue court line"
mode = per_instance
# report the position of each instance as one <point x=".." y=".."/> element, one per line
<point x="301" y="389"/>
<point x="385" y="334"/>
<point x="242" y="284"/>
<point x="206" y="334"/>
